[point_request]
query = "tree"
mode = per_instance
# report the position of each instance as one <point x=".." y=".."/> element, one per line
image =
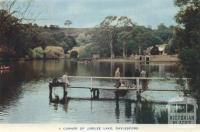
<point x="20" y="11"/>
<point x="54" y="27"/>
<point x="83" y="38"/>
<point x="13" y="34"/>
<point x="142" y="38"/>
<point x="70" y="42"/>
<point x="67" y="23"/>
<point x="154" y="50"/>
<point x="187" y="38"/>
<point x="123" y="38"/>
<point x="131" y="39"/>
<point x="109" y="27"/>
<point x="164" y="33"/>
<point x="74" y="54"/>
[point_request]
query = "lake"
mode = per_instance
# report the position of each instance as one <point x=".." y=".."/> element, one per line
<point x="24" y="93"/>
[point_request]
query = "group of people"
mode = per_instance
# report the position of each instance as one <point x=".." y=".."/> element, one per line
<point x="119" y="82"/>
<point x="138" y="73"/>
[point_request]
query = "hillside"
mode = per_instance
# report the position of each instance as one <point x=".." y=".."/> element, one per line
<point x="76" y="31"/>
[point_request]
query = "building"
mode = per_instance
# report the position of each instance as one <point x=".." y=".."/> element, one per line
<point x="161" y="49"/>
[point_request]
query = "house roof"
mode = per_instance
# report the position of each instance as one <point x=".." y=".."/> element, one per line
<point x="161" y="47"/>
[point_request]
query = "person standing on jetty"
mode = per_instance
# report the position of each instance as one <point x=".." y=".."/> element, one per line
<point x="143" y="73"/>
<point x="117" y="75"/>
<point x="137" y="73"/>
<point x="65" y="79"/>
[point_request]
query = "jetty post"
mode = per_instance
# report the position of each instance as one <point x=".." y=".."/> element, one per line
<point x="94" y="91"/>
<point x="138" y="92"/>
<point x="57" y="84"/>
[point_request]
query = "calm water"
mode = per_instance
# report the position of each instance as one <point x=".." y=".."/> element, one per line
<point x="24" y="94"/>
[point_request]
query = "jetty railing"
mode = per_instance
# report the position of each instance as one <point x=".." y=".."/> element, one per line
<point x="137" y="80"/>
<point x="95" y="84"/>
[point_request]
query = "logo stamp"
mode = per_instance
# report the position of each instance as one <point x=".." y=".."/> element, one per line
<point x="182" y="110"/>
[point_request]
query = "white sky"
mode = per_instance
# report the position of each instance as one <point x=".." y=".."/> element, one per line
<point x="89" y="13"/>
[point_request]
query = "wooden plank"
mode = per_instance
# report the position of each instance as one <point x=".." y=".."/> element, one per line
<point x="131" y="78"/>
<point x="114" y="88"/>
<point x="129" y="89"/>
<point x="101" y="88"/>
<point x="163" y="90"/>
<point x="120" y="99"/>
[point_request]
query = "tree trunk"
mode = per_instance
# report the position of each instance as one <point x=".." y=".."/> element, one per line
<point x="123" y="69"/>
<point x="124" y="50"/>
<point x="112" y="55"/>
<point x="139" y="50"/>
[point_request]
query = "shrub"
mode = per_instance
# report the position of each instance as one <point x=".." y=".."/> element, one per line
<point x="74" y="54"/>
<point x="53" y="52"/>
<point x="37" y="53"/>
<point x="154" y="50"/>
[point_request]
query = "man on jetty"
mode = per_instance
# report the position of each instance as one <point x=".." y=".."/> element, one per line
<point x="65" y="79"/>
<point x="117" y="75"/>
<point x="143" y="73"/>
<point x="144" y="82"/>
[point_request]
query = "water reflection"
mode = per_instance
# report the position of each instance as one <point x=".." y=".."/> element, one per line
<point x="128" y="108"/>
<point x="28" y="81"/>
<point x="141" y="112"/>
<point x="162" y="117"/>
<point x="144" y="113"/>
<point x="56" y="101"/>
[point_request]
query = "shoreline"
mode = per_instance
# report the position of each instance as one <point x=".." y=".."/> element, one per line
<point x="147" y="58"/>
<point x="131" y="60"/>
<point x="158" y="58"/>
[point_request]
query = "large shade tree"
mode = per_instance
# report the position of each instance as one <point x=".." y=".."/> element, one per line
<point x="109" y="28"/>
<point x="187" y="39"/>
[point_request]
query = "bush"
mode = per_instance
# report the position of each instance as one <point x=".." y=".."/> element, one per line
<point x="154" y="50"/>
<point x="74" y="54"/>
<point x="6" y="53"/>
<point x="171" y="49"/>
<point x="37" y="53"/>
<point x="86" y="51"/>
<point x="54" y="52"/>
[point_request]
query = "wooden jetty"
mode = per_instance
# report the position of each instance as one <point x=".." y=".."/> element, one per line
<point x="95" y="90"/>
<point x="57" y="84"/>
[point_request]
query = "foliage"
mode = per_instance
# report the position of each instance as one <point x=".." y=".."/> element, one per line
<point x="106" y="32"/>
<point x="83" y="39"/>
<point x="145" y="113"/>
<point x="85" y="51"/>
<point x="123" y="38"/>
<point x="9" y="26"/>
<point x="162" y="117"/>
<point x="154" y="50"/>
<point x="54" y="27"/>
<point x="115" y="36"/>
<point x="53" y="52"/>
<point x="74" y="54"/>
<point x="19" y="37"/>
<point x="37" y="53"/>
<point x="67" y="42"/>
<point x="131" y="40"/>
<point x="68" y="23"/>
<point x="171" y="48"/>
<point x="88" y="52"/>
<point x="187" y="38"/>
